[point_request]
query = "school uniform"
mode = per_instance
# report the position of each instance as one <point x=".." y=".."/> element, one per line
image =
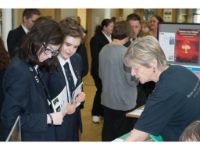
<point x="82" y="51"/>
<point x="2" y="72"/>
<point x="72" y="124"/>
<point x="25" y="96"/>
<point x="15" y="38"/>
<point x="96" y="44"/>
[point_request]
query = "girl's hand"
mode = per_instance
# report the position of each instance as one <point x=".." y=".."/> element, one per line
<point x="80" y="98"/>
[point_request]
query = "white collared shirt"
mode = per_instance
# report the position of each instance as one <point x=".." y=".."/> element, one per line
<point x="109" y="38"/>
<point x="25" y="29"/>
<point x="36" y="68"/>
<point x="62" y="63"/>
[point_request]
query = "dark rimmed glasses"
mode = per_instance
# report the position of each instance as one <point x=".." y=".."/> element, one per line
<point x="49" y="51"/>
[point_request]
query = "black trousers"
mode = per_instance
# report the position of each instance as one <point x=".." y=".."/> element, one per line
<point x="97" y="109"/>
<point x="116" y="124"/>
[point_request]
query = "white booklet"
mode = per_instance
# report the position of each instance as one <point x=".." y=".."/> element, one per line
<point x="76" y="92"/>
<point x="15" y="132"/>
<point x="60" y="102"/>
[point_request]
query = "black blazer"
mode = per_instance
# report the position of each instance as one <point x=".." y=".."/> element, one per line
<point x="96" y="44"/>
<point x="14" y="40"/>
<point x="69" y="130"/>
<point x="82" y="51"/>
<point x="25" y="96"/>
<point x="1" y="101"/>
<point x="2" y="72"/>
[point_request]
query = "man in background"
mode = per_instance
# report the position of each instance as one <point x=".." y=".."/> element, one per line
<point x="15" y="37"/>
<point x="144" y="90"/>
<point x="135" y="22"/>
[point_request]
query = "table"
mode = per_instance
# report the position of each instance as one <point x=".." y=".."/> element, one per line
<point x="136" y="113"/>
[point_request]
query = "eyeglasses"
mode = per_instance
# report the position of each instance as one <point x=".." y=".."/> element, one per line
<point x="49" y="51"/>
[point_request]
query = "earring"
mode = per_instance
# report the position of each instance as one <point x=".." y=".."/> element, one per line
<point x="154" y="70"/>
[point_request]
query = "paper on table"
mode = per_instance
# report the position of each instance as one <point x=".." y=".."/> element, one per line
<point x="136" y="113"/>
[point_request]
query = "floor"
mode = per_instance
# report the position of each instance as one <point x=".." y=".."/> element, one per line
<point x="91" y="131"/>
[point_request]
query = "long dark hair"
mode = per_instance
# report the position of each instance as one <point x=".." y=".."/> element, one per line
<point x="105" y="22"/>
<point x="160" y="19"/>
<point x="45" y="31"/>
<point x="4" y="56"/>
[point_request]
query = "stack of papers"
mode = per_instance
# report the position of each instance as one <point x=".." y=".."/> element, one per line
<point x="60" y="102"/>
<point x="136" y="113"/>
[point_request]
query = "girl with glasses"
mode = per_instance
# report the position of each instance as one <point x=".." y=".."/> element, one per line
<point x="25" y="93"/>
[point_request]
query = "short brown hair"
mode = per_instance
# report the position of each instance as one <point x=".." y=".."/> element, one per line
<point x="71" y="27"/>
<point x="134" y="17"/>
<point x="121" y="30"/>
<point x="29" y="12"/>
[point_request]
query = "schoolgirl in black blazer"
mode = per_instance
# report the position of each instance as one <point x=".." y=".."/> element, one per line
<point x="25" y="93"/>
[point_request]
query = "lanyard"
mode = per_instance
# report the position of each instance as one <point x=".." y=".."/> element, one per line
<point x="38" y="81"/>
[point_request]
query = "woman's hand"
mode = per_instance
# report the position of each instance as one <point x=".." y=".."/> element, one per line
<point x="137" y="135"/>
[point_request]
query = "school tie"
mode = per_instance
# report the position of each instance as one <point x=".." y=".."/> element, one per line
<point x="69" y="78"/>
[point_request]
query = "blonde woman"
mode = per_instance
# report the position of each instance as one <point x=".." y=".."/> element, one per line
<point x="175" y="100"/>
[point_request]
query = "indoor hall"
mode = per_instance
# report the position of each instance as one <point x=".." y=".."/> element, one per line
<point x="89" y="19"/>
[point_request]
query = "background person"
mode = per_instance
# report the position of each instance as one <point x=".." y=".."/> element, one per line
<point x="154" y="22"/>
<point x="135" y="22"/>
<point x="174" y="102"/>
<point x="145" y="28"/>
<point x="119" y="91"/>
<point x="25" y="93"/>
<point x="144" y="90"/>
<point x="15" y="36"/>
<point x="101" y="38"/>
<point x="82" y="50"/>
<point x="4" y="61"/>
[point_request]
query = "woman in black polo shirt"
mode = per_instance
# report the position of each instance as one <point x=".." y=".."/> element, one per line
<point x="175" y="101"/>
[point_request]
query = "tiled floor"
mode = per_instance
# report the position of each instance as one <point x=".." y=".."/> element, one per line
<point x="91" y="131"/>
